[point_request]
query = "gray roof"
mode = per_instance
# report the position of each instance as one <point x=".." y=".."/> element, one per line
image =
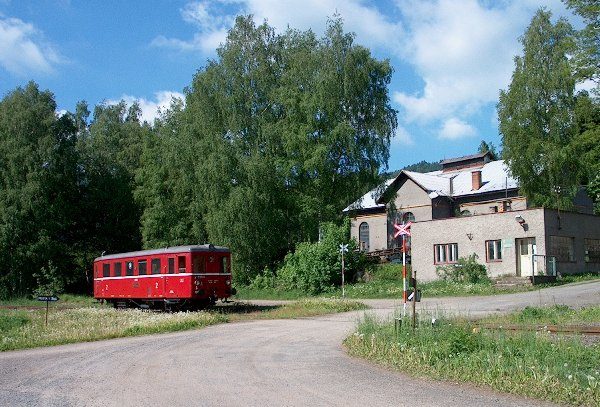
<point x="166" y="250"/>
<point x="494" y="176"/>
<point x="464" y="158"/>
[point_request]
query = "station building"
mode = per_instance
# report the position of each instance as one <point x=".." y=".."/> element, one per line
<point x="473" y="206"/>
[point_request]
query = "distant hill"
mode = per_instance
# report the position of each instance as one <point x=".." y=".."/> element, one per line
<point x="421" y="166"/>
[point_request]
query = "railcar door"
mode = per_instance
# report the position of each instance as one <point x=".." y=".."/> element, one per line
<point x="156" y="288"/>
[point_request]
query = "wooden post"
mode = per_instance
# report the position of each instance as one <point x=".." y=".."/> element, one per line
<point x="343" y="288"/>
<point x="47" y="302"/>
<point x="414" y="299"/>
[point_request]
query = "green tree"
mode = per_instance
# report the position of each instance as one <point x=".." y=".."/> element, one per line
<point x="39" y="190"/>
<point x="485" y="147"/>
<point x="536" y="114"/>
<point x="284" y="129"/>
<point x="587" y="57"/>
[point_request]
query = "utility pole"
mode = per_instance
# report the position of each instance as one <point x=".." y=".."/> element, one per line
<point x="414" y="299"/>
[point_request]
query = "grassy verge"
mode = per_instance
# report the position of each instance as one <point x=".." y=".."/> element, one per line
<point x="385" y="281"/>
<point x="21" y="328"/>
<point x="533" y="364"/>
<point x="65" y="300"/>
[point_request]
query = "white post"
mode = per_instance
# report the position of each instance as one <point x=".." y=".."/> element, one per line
<point x="404" y="293"/>
<point x="343" y="288"/>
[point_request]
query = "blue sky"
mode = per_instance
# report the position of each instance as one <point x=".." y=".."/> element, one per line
<point x="450" y="57"/>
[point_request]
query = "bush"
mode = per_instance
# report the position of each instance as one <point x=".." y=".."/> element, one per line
<point x="466" y="270"/>
<point x="316" y="267"/>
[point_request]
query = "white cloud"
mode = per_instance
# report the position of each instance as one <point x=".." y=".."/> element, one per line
<point x="463" y="50"/>
<point x="23" y="50"/>
<point x="454" y="129"/>
<point x="402" y="137"/>
<point x="151" y="109"/>
<point x="213" y="18"/>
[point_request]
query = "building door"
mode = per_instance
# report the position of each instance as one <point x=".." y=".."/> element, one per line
<point x="526" y="264"/>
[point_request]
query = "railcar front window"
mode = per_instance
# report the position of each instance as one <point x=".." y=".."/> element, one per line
<point x="225" y="264"/>
<point x="106" y="270"/>
<point x="198" y="264"/>
<point x="142" y="267"/>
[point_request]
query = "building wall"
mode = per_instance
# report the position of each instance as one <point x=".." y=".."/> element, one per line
<point x="412" y="198"/>
<point x="377" y="229"/>
<point x="480" y="228"/>
<point x="579" y="227"/>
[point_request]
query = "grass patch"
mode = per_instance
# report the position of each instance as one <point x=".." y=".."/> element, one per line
<point x="556" y="315"/>
<point x="20" y="329"/>
<point x="300" y="309"/>
<point x="250" y="293"/>
<point x="65" y="300"/>
<point x="533" y="364"/>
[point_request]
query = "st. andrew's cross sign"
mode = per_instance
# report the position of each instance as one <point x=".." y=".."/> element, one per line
<point x="403" y="229"/>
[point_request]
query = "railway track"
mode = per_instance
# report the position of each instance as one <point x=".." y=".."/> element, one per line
<point x="556" y="329"/>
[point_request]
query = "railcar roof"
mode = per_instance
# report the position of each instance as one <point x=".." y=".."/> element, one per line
<point x="166" y="250"/>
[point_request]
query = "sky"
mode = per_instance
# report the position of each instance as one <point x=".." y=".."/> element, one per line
<point x="450" y="57"/>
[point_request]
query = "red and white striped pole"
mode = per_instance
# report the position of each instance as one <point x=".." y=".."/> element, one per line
<point x="404" y="292"/>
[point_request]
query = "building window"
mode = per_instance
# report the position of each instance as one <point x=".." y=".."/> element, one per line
<point x="363" y="236"/>
<point x="408" y="217"/>
<point x="493" y="250"/>
<point x="592" y="250"/>
<point x="106" y="270"/>
<point x="445" y="253"/>
<point x="562" y="248"/>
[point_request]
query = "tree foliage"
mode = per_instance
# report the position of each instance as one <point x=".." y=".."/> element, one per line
<point x="285" y="129"/>
<point x="536" y="114"/>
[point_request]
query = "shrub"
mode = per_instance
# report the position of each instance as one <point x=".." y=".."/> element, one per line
<point x="316" y="267"/>
<point x="466" y="270"/>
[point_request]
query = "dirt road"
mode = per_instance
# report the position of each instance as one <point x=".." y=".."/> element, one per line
<point x="261" y="363"/>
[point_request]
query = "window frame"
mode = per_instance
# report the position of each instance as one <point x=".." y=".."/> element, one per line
<point x="361" y="243"/>
<point x="448" y="252"/>
<point x="593" y="244"/>
<point x="497" y="250"/>
<point x="144" y="263"/>
<point x="118" y="269"/>
<point x="155" y="266"/>
<point x="106" y="270"/>
<point x="553" y="246"/>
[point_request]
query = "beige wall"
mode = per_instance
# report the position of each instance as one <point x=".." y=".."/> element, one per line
<point x="377" y="230"/>
<point x="497" y="226"/>
<point x="479" y="208"/>
<point x="412" y="198"/>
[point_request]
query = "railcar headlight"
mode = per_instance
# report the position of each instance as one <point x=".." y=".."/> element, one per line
<point x="227" y="282"/>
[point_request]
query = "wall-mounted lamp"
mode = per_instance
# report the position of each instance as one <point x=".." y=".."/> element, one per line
<point x="520" y="219"/>
<point x="470" y="236"/>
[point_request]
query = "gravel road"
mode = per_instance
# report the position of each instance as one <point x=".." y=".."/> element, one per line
<point x="260" y="363"/>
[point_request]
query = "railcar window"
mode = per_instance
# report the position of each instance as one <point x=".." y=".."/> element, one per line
<point x="181" y="264"/>
<point x="155" y="266"/>
<point x="198" y="264"/>
<point x="118" y="269"/>
<point x="129" y="270"/>
<point x="142" y="267"/>
<point x="225" y="264"/>
<point x="106" y="270"/>
<point x="171" y="265"/>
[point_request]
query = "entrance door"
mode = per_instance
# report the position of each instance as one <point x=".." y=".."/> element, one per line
<point x="526" y="264"/>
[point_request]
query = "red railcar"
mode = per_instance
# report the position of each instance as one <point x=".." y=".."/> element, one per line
<point x="173" y="277"/>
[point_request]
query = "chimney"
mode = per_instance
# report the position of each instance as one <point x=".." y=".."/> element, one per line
<point x="476" y="179"/>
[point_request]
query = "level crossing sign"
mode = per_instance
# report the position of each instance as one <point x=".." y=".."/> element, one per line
<point x="403" y="229"/>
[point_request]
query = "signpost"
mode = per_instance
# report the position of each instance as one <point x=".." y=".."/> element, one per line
<point x="343" y="249"/>
<point x="403" y="230"/>
<point x="48" y="299"/>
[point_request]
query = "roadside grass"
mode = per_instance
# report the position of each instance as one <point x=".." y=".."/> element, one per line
<point x="65" y="300"/>
<point x="25" y="328"/>
<point x="385" y="282"/>
<point x="555" y="315"/>
<point x="534" y="364"/>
